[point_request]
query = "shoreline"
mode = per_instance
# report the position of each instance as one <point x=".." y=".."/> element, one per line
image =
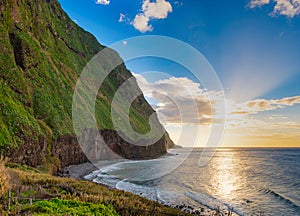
<point x="81" y="170"/>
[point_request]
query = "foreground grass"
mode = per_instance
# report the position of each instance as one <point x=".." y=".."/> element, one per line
<point x="69" y="207"/>
<point x="4" y="178"/>
<point x="52" y="195"/>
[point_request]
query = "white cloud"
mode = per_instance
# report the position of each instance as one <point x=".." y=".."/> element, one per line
<point x="178" y="3"/>
<point x="180" y="100"/>
<point x="103" y="2"/>
<point x="140" y="23"/>
<point x="243" y="115"/>
<point x="158" y="9"/>
<point x="277" y="117"/>
<point x="260" y="105"/>
<point x="289" y="8"/>
<point x="258" y="3"/>
<point x="122" y="16"/>
<point x="287" y="124"/>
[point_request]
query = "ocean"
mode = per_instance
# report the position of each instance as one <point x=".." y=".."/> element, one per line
<point x="252" y="181"/>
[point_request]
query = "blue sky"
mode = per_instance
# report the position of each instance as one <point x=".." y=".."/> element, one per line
<point x="254" y="46"/>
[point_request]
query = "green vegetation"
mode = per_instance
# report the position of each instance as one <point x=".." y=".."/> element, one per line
<point x="65" y="207"/>
<point x="52" y="195"/>
<point x="42" y="54"/>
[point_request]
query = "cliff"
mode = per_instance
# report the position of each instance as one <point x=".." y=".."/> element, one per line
<point x="42" y="53"/>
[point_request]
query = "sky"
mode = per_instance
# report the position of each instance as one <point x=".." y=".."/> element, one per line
<point x="252" y="45"/>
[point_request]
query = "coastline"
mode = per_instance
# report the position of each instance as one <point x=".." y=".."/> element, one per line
<point x="81" y="170"/>
<point x="43" y="193"/>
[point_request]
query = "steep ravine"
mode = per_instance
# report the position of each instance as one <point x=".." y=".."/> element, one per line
<point x="42" y="53"/>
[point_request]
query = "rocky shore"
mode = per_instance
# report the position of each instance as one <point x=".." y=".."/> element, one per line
<point x="82" y="170"/>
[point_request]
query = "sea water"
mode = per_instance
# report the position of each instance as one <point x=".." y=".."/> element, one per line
<point x="252" y="181"/>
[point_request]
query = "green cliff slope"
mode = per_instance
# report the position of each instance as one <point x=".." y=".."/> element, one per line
<point x="42" y="53"/>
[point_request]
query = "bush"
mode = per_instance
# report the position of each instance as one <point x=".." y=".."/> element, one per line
<point x="4" y="179"/>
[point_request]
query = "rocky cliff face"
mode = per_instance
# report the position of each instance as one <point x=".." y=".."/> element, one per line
<point x="65" y="151"/>
<point x="107" y="144"/>
<point x="102" y="145"/>
<point x="42" y="53"/>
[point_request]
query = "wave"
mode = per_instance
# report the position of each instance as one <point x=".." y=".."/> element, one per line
<point x="281" y="197"/>
<point x="144" y="191"/>
<point x="107" y="180"/>
<point x="212" y="202"/>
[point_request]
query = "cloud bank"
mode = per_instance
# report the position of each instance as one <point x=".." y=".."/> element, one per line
<point x="158" y="9"/>
<point x="243" y="119"/>
<point x="243" y="115"/>
<point x="176" y="98"/>
<point x="179" y="100"/>
<point x="260" y="105"/>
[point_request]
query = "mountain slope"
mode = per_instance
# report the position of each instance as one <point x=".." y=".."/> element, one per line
<point x="42" y="53"/>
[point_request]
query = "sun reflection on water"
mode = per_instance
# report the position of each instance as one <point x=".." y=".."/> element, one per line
<point x="225" y="178"/>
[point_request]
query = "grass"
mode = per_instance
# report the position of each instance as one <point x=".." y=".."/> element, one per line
<point x="4" y="179"/>
<point x="69" y="207"/>
<point x="66" y="196"/>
